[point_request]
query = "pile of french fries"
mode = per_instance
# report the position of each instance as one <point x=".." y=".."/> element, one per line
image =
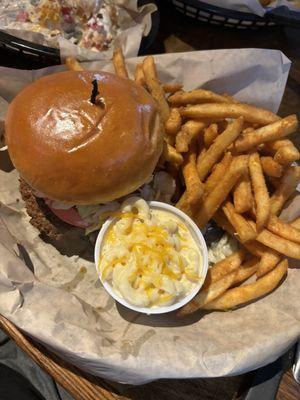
<point x="265" y="2"/>
<point x="238" y="169"/>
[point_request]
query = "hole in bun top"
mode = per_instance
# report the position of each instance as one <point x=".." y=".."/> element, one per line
<point x="78" y="152"/>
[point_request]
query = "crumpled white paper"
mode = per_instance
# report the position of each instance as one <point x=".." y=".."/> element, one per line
<point x="252" y="6"/>
<point x="63" y="304"/>
<point x="135" y="22"/>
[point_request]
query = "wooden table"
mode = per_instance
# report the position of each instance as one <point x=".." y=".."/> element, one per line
<point x="180" y="34"/>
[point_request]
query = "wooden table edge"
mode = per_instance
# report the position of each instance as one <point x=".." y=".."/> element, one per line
<point x="80" y="385"/>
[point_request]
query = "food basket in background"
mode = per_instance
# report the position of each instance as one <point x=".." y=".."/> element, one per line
<point x="18" y="53"/>
<point x="204" y="12"/>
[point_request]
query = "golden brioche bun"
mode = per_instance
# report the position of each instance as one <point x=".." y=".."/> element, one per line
<point x="78" y="152"/>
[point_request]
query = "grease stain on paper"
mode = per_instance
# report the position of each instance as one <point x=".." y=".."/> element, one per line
<point x="130" y="348"/>
<point x="71" y="285"/>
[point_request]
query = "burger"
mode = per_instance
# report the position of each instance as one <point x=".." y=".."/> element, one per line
<point x="82" y="142"/>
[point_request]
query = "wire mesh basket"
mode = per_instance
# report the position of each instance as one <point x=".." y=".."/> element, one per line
<point x="204" y="12"/>
<point x="19" y="53"/>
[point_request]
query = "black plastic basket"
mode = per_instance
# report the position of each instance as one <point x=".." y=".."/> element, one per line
<point x="208" y="13"/>
<point x="19" y="53"/>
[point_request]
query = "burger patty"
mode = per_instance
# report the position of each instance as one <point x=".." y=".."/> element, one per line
<point x="41" y="216"/>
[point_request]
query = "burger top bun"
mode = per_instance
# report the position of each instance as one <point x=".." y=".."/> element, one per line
<point x="72" y="150"/>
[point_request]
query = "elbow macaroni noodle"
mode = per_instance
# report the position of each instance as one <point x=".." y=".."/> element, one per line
<point x="149" y="256"/>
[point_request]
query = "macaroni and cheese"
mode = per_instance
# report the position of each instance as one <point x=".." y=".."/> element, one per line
<point x="149" y="256"/>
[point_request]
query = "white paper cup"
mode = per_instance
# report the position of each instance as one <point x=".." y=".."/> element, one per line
<point x="197" y="236"/>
